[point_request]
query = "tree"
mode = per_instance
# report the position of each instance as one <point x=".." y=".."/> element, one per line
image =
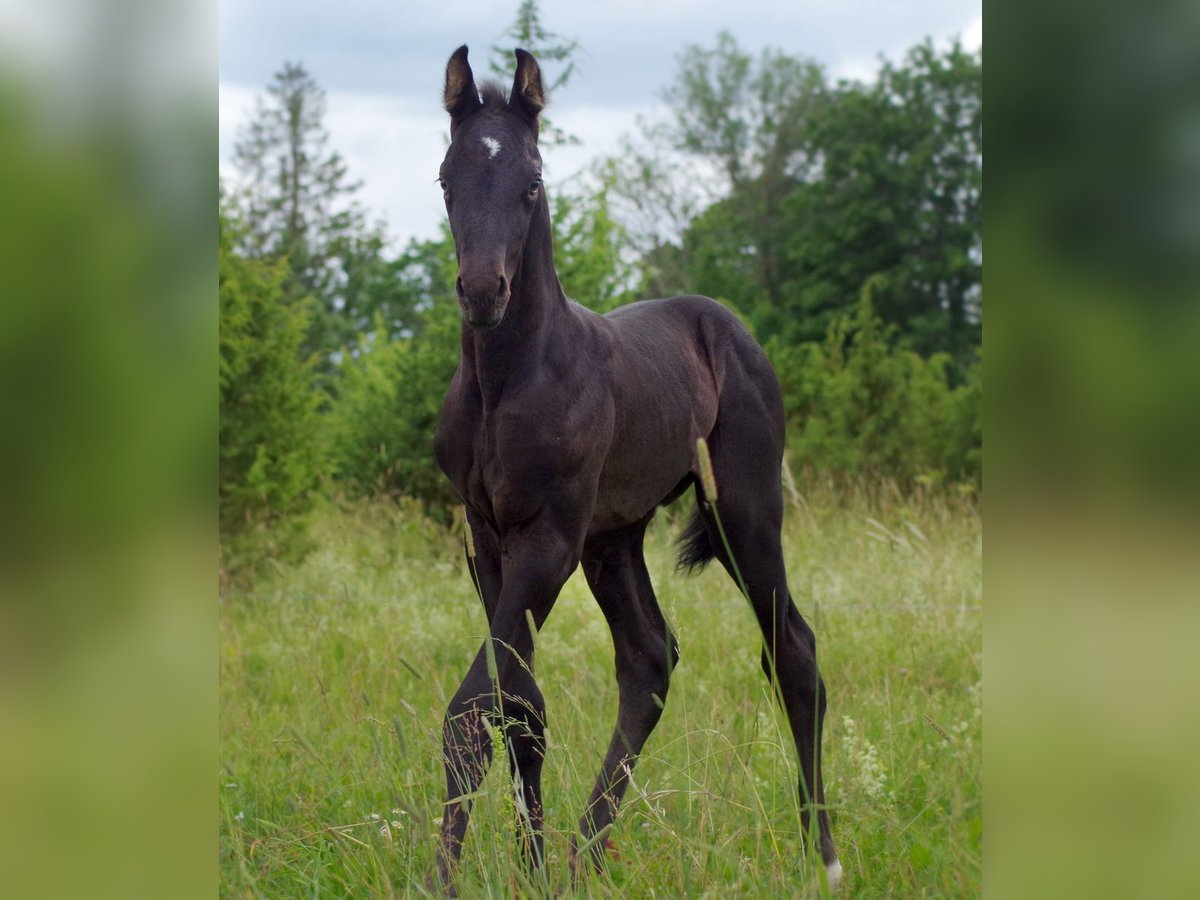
<point x="269" y="462"/>
<point x="298" y="202"/>
<point x="389" y="399"/>
<point x="528" y="33"/>
<point x="588" y="249"/>
<point x="819" y="189"/>
<point x="900" y="197"/>
<point x="742" y="124"/>
<point x="858" y="405"/>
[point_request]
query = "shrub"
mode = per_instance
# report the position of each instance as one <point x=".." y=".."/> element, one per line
<point x="859" y="405"/>
<point x="383" y="423"/>
<point x="269" y="459"/>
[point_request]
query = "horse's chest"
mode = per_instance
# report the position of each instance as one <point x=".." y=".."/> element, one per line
<point x="500" y="469"/>
<point x="460" y="448"/>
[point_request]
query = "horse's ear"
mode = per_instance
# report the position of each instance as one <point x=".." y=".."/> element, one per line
<point x="460" y="97"/>
<point x="527" y="96"/>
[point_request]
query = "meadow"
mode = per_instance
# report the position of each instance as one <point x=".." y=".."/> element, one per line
<point x="335" y="672"/>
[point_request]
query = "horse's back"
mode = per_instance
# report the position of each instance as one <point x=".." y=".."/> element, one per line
<point x="683" y="308"/>
<point x="705" y="330"/>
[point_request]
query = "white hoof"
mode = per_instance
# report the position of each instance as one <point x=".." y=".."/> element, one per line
<point x="833" y="874"/>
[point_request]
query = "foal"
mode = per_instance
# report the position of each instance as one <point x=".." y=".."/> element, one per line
<point x="562" y="432"/>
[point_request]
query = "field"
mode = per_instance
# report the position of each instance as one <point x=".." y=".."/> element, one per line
<point x="335" y="672"/>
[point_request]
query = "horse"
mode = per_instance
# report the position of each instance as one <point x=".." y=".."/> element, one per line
<point x="562" y="432"/>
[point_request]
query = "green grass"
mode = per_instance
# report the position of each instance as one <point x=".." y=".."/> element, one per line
<point x="335" y="673"/>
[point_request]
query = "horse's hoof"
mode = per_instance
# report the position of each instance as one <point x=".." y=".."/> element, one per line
<point x="437" y="886"/>
<point x="833" y="874"/>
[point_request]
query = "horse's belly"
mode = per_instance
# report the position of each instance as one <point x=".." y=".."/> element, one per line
<point x="643" y="469"/>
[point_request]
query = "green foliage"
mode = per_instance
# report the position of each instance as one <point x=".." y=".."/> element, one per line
<point x="588" y="245"/>
<point x="380" y="427"/>
<point x="746" y="116"/>
<point x="721" y="263"/>
<point x="298" y="202"/>
<point x="825" y="187"/>
<point x="860" y="406"/>
<point x="390" y="395"/>
<point x="899" y="200"/>
<point x="744" y="120"/>
<point x="269" y="463"/>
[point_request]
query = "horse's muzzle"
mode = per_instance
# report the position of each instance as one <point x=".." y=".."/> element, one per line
<point x="483" y="308"/>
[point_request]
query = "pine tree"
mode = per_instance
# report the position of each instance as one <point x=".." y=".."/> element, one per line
<point x="269" y="464"/>
<point x="298" y="193"/>
<point x="299" y="204"/>
<point x="551" y="49"/>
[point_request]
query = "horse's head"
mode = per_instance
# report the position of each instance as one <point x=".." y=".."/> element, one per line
<point x="492" y="182"/>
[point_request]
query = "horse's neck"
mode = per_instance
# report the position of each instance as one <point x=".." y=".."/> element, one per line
<point x="536" y="310"/>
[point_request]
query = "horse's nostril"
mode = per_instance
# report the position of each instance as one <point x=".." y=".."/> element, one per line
<point x="503" y="286"/>
<point x="458" y="286"/>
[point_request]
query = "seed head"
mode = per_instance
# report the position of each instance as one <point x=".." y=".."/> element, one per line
<point x="707" y="478"/>
<point x="470" y="536"/>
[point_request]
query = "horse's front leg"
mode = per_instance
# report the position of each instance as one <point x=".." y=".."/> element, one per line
<point x="467" y="745"/>
<point x="466" y="754"/>
<point x="483" y="560"/>
<point x="500" y="689"/>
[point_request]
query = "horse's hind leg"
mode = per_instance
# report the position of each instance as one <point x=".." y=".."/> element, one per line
<point x="646" y="652"/>
<point x="746" y="463"/>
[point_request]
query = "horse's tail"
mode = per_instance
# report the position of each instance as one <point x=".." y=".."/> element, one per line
<point x="695" y="548"/>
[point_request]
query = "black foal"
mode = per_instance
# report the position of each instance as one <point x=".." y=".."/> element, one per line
<point x="562" y="432"/>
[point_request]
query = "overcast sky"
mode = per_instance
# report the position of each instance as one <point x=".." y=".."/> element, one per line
<point x="382" y="63"/>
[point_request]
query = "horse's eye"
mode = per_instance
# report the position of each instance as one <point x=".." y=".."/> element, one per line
<point x="534" y="187"/>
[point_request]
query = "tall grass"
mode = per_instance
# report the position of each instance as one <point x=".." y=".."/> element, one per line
<point x="335" y="673"/>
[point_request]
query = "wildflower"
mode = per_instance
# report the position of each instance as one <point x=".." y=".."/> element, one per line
<point x="871" y="776"/>
<point x="240" y="816"/>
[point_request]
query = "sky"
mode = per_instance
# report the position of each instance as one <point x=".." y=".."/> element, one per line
<point x="382" y="64"/>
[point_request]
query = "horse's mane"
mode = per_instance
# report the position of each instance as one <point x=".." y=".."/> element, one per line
<point x="494" y="96"/>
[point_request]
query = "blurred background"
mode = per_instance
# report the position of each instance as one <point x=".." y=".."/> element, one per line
<point x="107" y="546"/>
<point x="1093" y="574"/>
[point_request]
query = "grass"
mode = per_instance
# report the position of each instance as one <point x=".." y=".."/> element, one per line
<point x="335" y="673"/>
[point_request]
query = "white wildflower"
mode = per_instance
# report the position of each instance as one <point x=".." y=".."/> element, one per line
<point x="870" y="774"/>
